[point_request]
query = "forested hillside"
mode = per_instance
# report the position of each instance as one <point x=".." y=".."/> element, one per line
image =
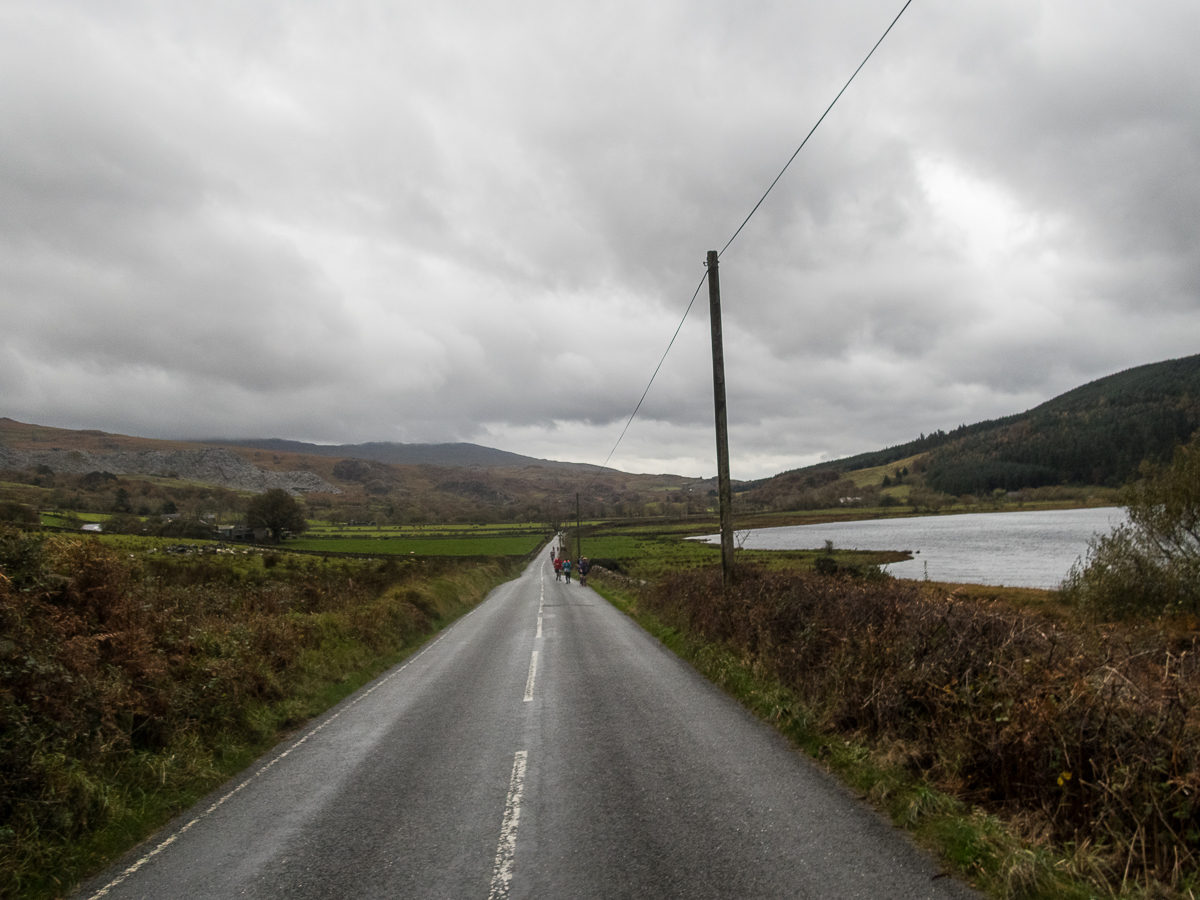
<point x="1095" y="434"/>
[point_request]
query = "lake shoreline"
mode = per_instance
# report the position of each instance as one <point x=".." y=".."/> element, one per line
<point x="1026" y="549"/>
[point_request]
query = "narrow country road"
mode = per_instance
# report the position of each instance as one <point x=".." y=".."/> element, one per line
<point x="543" y="747"/>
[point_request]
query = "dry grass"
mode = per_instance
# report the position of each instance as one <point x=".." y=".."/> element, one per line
<point x="1087" y="738"/>
<point x="126" y="692"/>
<point x="1048" y="604"/>
<point x="875" y="474"/>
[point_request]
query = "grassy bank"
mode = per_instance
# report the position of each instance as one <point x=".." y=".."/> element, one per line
<point x="1040" y="760"/>
<point x="130" y="687"/>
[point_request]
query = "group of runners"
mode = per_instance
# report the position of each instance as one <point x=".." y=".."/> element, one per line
<point x="563" y="567"/>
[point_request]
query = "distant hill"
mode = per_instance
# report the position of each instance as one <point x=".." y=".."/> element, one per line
<point x="49" y="467"/>
<point x="458" y="454"/>
<point x="1096" y="434"/>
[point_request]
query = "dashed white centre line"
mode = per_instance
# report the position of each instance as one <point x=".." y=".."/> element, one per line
<point x="532" y="676"/>
<point x="502" y="871"/>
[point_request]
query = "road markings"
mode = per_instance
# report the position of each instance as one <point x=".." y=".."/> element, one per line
<point x="502" y="871"/>
<point x="532" y="676"/>
<point x="173" y="838"/>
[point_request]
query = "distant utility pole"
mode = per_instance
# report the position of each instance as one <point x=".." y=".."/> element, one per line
<point x="579" y="529"/>
<point x="724" y="489"/>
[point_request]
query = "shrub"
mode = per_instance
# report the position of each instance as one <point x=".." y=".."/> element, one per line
<point x="826" y="565"/>
<point x="1151" y="565"/>
<point x="19" y="513"/>
<point x="613" y="565"/>
<point x="1091" y="737"/>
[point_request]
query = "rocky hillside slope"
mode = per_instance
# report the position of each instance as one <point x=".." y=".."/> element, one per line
<point x="208" y="466"/>
<point x="447" y="455"/>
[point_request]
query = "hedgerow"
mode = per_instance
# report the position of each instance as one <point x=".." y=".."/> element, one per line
<point x="123" y="682"/>
<point x="1090" y="735"/>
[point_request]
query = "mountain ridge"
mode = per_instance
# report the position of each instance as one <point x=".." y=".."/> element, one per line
<point x="1098" y="433"/>
<point x="457" y="454"/>
<point x="48" y="466"/>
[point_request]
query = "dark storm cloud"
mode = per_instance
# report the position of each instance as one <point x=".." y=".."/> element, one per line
<point x="477" y="221"/>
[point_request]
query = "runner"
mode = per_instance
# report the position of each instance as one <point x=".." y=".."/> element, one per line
<point x="567" y="569"/>
<point x="584" y="568"/>
<point x="557" y="569"/>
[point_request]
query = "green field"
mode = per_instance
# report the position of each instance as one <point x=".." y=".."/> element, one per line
<point x="649" y="557"/>
<point x="370" y="540"/>
<point x="647" y="552"/>
<point x="60" y="521"/>
<point x="321" y="528"/>
<point x="482" y="545"/>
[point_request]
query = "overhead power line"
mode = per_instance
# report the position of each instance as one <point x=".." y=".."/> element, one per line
<point x="814" y="128"/>
<point x="695" y="294"/>
<point x="770" y="187"/>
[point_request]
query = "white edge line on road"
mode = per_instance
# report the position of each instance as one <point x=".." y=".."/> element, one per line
<point x="539" y="631"/>
<point x="502" y="871"/>
<point x="532" y="676"/>
<point x="169" y="841"/>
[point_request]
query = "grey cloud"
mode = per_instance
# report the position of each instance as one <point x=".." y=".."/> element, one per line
<point x="464" y="221"/>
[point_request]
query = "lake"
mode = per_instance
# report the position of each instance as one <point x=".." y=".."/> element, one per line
<point x="1019" y="549"/>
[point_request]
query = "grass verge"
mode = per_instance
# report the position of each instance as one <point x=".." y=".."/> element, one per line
<point x="131" y="688"/>
<point x="987" y="852"/>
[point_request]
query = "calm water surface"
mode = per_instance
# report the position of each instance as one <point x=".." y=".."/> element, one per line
<point x="1021" y="549"/>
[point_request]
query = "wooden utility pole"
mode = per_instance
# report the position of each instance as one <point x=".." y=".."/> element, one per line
<point x="578" y="531"/>
<point x="724" y="489"/>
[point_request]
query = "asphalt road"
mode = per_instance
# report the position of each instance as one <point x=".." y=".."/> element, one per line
<point x="543" y="747"/>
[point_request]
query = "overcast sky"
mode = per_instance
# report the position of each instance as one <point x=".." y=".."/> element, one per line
<point x="482" y="221"/>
